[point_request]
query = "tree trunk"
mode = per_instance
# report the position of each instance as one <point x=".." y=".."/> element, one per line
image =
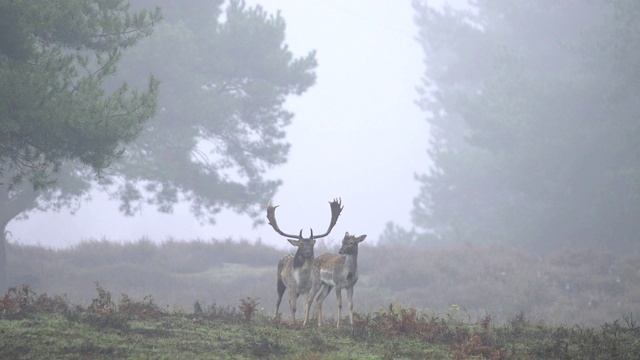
<point x="12" y="204"/>
<point x="4" y="283"/>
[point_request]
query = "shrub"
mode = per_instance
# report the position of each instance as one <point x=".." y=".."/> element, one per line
<point x="248" y="308"/>
<point x="145" y="309"/>
<point x="21" y="301"/>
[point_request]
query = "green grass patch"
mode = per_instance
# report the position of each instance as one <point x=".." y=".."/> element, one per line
<point x="132" y="329"/>
<point x="230" y="272"/>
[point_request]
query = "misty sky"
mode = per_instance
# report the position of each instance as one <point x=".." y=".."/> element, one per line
<point x="357" y="134"/>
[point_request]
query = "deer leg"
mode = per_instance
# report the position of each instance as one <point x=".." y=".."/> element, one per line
<point x="281" y="289"/>
<point x="339" y="298"/>
<point x="350" y="296"/>
<point x="312" y="293"/>
<point x="323" y="294"/>
<point x="307" y="304"/>
<point x="293" y="299"/>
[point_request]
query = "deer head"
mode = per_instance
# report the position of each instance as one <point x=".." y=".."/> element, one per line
<point x="350" y="244"/>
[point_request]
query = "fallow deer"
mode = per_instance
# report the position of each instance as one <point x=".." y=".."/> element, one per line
<point x="294" y="271"/>
<point x="339" y="271"/>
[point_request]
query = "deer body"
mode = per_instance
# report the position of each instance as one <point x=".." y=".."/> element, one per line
<point x="339" y="271"/>
<point x="295" y="271"/>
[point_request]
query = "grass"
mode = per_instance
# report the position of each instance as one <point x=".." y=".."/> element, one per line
<point x="228" y="273"/>
<point x="36" y="326"/>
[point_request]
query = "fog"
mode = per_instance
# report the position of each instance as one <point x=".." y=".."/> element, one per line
<point x="357" y="134"/>
<point x="529" y="125"/>
<point x="526" y="161"/>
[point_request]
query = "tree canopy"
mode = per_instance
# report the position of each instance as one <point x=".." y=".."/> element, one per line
<point x="54" y="58"/>
<point x="221" y="120"/>
<point x="534" y="118"/>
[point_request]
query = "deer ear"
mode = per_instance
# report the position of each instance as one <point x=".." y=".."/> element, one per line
<point x="294" y="242"/>
<point x="361" y="238"/>
<point x="313" y="242"/>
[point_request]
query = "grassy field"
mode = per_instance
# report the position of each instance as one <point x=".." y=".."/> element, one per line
<point x="36" y="326"/>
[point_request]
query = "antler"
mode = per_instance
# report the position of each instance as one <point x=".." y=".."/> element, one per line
<point x="271" y="216"/>
<point x="336" y="209"/>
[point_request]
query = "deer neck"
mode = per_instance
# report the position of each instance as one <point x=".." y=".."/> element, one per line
<point x="300" y="261"/>
<point x="351" y="261"/>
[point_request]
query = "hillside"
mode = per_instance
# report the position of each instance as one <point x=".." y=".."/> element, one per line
<point x="585" y="287"/>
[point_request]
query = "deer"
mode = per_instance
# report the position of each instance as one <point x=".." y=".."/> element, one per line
<point x="294" y="271"/>
<point x="339" y="271"/>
